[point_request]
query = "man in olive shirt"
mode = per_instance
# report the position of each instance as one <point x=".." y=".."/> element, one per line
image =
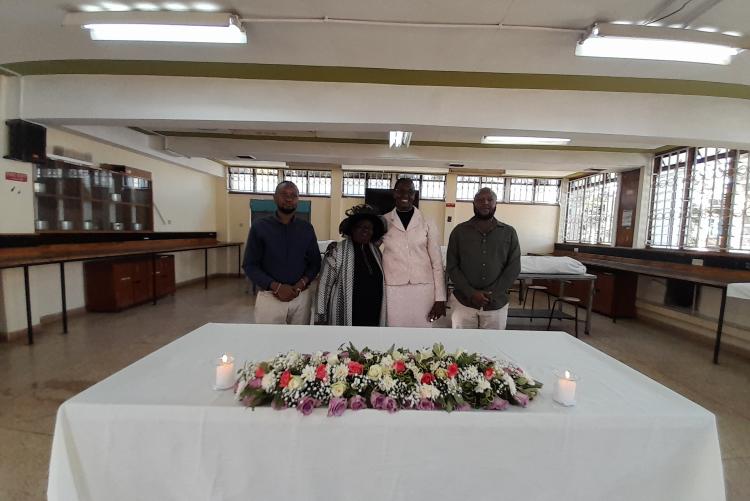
<point x="484" y="258"/>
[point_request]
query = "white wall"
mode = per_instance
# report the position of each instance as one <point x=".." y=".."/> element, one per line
<point x="186" y="198"/>
<point x="536" y="225"/>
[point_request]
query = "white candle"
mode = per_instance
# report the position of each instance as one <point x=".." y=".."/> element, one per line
<point x="224" y="372"/>
<point x="565" y="390"/>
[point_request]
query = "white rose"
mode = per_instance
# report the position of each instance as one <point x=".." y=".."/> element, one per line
<point x="428" y="391"/>
<point x="268" y="383"/>
<point x="340" y="372"/>
<point x="482" y="386"/>
<point x="386" y="362"/>
<point x="308" y="373"/>
<point x="332" y="358"/>
<point x="338" y="389"/>
<point x="294" y="383"/>
<point x="375" y="372"/>
<point x="387" y="383"/>
<point x="397" y="355"/>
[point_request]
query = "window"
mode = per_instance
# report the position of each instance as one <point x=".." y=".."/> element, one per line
<point x="266" y="180"/>
<point x="354" y="184"/>
<point x="259" y="180"/>
<point x="547" y="191"/>
<point x="591" y="207"/>
<point x="467" y="187"/>
<point x="699" y="200"/>
<point x="739" y="226"/>
<point x="512" y="189"/>
<point x="521" y="189"/>
<point x="430" y="186"/>
<point x="667" y="196"/>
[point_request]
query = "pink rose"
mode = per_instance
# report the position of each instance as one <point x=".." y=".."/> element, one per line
<point x="357" y="402"/>
<point x="336" y="406"/>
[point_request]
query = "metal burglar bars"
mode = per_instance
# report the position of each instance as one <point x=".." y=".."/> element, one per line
<point x="430" y="186"/>
<point x="521" y="189"/>
<point x="739" y="229"/>
<point x="668" y="196"/>
<point x="591" y="207"/>
<point x="260" y="180"/>
<point x="700" y="200"/>
<point x="510" y="189"/>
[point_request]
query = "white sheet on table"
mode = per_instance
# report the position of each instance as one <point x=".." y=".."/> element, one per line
<point x="156" y="430"/>
<point x="739" y="290"/>
<point x="553" y="265"/>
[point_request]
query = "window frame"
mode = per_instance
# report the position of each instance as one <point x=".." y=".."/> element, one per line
<point x="694" y="193"/>
<point x="503" y="196"/>
<point x="281" y="175"/>
<point x="591" y="183"/>
<point x="392" y="177"/>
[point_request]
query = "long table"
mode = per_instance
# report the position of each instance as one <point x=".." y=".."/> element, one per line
<point x="719" y="278"/>
<point x="157" y="430"/>
<point x="25" y="257"/>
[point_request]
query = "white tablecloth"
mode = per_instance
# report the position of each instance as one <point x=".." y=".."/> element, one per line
<point x="156" y="430"/>
<point x="739" y="290"/>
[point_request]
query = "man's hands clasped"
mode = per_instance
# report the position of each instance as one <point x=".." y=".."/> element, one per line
<point x="286" y="292"/>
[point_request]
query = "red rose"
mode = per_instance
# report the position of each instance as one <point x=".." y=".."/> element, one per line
<point x="399" y="366"/>
<point x="285" y="378"/>
<point x="427" y="378"/>
<point x="489" y="372"/>
<point x="355" y="368"/>
<point x="452" y="370"/>
<point x="259" y="372"/>
<point x="321" y="372"/>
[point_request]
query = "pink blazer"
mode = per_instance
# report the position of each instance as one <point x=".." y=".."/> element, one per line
<point x="412" y="256"/>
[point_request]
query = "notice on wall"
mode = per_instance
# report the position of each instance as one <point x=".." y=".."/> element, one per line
<point x="16" y="176"/>
<point x="627" y="218"/>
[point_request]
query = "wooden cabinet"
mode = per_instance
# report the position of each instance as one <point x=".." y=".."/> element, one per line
<point x="614" y="292"/>
<point x="115" y="284"/>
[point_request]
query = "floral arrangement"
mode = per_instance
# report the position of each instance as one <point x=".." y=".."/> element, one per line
<point x="391" y="380"/>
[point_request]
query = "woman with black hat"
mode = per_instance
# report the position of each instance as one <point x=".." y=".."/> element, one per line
<point x="351" y="287"/>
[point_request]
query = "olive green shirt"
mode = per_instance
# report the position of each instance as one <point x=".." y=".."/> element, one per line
<point x="488" y="262"/>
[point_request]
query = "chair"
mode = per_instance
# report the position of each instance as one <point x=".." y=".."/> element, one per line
<point x="519" y="290"/>
<point x="574" y="301"/>
<point x="533" y="289"/>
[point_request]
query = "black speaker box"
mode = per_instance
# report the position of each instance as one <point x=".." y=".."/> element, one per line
<point x="27" y="142"/>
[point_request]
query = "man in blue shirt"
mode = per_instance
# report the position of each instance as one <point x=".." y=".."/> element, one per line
<point x="282" y="258"/>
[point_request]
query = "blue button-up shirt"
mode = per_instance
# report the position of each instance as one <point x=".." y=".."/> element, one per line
<point x="281" y="252"/>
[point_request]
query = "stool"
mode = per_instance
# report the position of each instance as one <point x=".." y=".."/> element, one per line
<point x="574" y="301"/>
<point x="533" y="289"/>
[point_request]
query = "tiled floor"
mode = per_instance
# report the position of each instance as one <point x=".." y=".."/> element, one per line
<point x="35" y="380"/>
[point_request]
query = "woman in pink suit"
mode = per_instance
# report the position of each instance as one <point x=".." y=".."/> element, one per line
<point x="412" y="263"/>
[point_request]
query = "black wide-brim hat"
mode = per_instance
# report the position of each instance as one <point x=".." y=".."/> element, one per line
<point x="360" y="212"/>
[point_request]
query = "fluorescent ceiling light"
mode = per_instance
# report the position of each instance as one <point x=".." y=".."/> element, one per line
<point x="524" y="140"/>
<point x="399" y="139"/>
<point x="160" y="26"/>
<point x="661" y="44"/>
<point x="115" y="6"/>
<point x="146" y="6"/>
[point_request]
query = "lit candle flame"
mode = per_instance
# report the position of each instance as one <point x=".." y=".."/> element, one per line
<point x="567" y="375"/>
<point x="225" y="359"/>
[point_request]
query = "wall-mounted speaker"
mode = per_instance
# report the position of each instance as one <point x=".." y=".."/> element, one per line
<point x="27" y="142"/>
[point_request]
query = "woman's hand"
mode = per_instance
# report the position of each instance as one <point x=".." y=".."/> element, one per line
<point x="437" y="311"/>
